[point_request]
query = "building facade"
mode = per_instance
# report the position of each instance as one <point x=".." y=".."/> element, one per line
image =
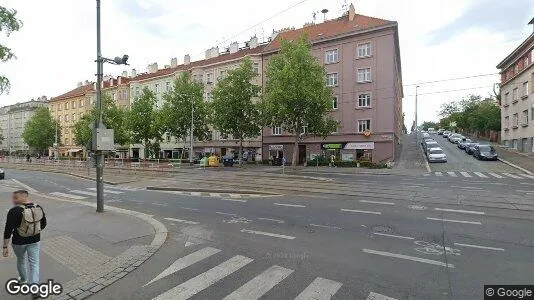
<point x="517" y="97"/>
<point x="362" y="60"/>
<point x="13" y="118"/>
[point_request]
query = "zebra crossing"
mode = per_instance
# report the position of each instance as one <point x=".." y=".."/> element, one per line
<point x="80" y="194"/>
<point x="483" y="175"/>
<point x="255" y="288"/>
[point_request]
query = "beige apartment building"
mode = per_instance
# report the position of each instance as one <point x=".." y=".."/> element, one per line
<point x="517" y="96"/>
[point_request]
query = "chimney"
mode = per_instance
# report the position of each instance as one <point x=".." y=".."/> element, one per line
<point x="174" y="62"/>
<point x="187" y="59"/>
<point x="79" y="84"/>
<point x="273" y="35"/>
<point x="253" y="43"/>
<point x="134" y="73"/>
<point x="86" y="82"/>
<point x="124" y="73"/>
<point x="106" y="77"/>
<point x="111" y="81"/>
<point x="234" y="47"/>
<point x="352" y="12"/>
<point x="215" y="51"/>
<point x="119" y="80"/>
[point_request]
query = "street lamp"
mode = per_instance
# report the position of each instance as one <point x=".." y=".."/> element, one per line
<point x="416" y="130"/>
<point x="101" y="136"/>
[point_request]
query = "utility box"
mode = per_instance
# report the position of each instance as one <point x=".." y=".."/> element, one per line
<point x="103" y="139"/>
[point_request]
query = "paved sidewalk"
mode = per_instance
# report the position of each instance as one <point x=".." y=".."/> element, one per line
<point x="523" y="160"/>
<point x="83" y="250"/>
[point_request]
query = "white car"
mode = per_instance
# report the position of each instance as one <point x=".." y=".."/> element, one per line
<point x="436" y="155"/>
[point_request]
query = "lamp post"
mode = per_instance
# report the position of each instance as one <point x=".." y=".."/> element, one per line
<point x="416" y="129"/>
<point x="191" y="134"/>
<point x="99" y="154"/>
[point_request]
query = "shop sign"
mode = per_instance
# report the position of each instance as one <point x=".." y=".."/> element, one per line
<point x="276" y="147"/>
<point x="333" y="146"/>
<point x="358" y="146"/>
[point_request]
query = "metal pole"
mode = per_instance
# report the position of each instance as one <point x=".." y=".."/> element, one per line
<point x="191" y="137"/>
<point x="98" y="121"/>
<point x="55" y="144"/>
<point x="416" y="131"/>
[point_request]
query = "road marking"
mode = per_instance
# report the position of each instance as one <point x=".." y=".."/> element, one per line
<point x="107" y="191"/>
<point x="473" y="212"/>
<point x="479" y="247"/>
<point x="394" y="236"/>
<point x="287" y="237"/>
<point x="215" y="194"/>
<point x="455" y="221"/>
<point x="362" y="211"/>
<point x="320" y="289"/>
<point x="495" y="175"/>
<point x="375" y="296"/>
<point x="27" y="187"/>
<point x="325" y="226"/>
<point x="407" y="257"/>
<point x="438" y="173"/>
<point x="527" y="176"/>
<point x="68" y="196"/>
<point x="512" y="175"/>
<point x="181" y="221"/>
<point x="234" y="200"/>
<point x="260" y="284"/>
<point x="290" y="205"/>
<point x="272" y="220"/>
<point x="83" y="193"/>
<point x="465" y="174"/>
<point x="188" y="208"/>
<point x="466" y="187"/>
<point x="480" y="175"/>
<point x="226" y="214"/>
<point x="202" y="281"/>
<point x="185" y="262"/>
<point x="426" y="174"/>
<point x="377" y="202"/>
<point x="452" y="174"/>
<point x="196" y="193"/>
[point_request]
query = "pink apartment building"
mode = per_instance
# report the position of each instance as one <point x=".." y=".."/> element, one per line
<point x="362" y="59"/>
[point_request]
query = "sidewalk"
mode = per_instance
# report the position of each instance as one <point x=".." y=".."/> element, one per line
<point x="523" y="160"/>
<point x="83" y="250"/>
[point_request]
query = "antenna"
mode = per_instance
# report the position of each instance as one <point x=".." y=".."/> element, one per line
<point x="324" y="12"/>
<point x="314" y="14"/>
<point x="344" y="6"/>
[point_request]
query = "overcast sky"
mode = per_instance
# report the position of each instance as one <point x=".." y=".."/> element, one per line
<point x="438" y="39"/>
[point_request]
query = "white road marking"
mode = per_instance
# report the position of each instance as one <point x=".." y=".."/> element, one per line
<point x="188" y="208"/>
<point x="362" y="211"/>
<point x="325" y="226"/>
<point x="512" y="175"/>
<point x="527" y="176"/>
<point x="185" y="262"/>
<point x="27" y="187"/>
<point x="465" y="174"/>
<point x="455" y="221"/>
<point x="426" y="174"/>
<point x="473" y="212"/>
<point x="377" y="202"/>
<point x="495" y="175"/>
<point x="272" y="220"/>
<point x="215" y="194"/>
<point x="438" y="173"/>
<point x="375" y="296"/>
<point x="226" y="214"/>
<point x="467" y="187"/>
<point x="181" y="221"/>
<point x="452" y="174"/>
<point x="479" y="247"/>
<point x="407" y="257"/>
<point x="107" y="191"/>
<point x="68" y="196"/>
<point x="234" y="200"/>
<point x="196" y="193"/>
<point x="287" y="237"/>
<point x="394" y="236"/>
<point x="202" y="281"/>
<point x="319" y="289"/>
<point x="480" y="175"/>
<point x="290" y="205"/>
<point x="83" y="193"/>
<point x="260" y="284"/>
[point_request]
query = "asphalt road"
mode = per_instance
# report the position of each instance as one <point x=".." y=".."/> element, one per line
<point x="405" y="238"/>
<point x="459" y="160"/>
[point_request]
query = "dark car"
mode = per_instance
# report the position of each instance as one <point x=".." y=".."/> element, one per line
<point x="228" y="160"/>
<point x="2" y="174"/>
<point x="469" y="150"/>
<point x="485" y="152"/>
<point x="463" y="143"/>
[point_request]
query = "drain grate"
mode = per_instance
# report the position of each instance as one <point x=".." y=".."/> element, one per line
<point x="382" y="229"/>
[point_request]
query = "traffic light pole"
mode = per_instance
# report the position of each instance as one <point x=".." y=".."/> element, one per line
<point x="98" y="122"/>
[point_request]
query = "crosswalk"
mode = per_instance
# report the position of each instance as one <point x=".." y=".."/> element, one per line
<point x="91" y="192"/>
<point x="255" y="288"/>
<point x="484" y="175"/>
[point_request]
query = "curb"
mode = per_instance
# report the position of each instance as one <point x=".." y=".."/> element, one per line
<point x="223" y="191"/>
<point x="515" y="166"/>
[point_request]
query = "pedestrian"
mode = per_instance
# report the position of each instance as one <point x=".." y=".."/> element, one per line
<point x="24" y="224"/>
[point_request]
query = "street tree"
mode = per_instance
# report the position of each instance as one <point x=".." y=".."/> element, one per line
<point x="185" y="96"/>
<point x="143" y="121"/>
<point x="8" y="24"/>
<point x="235" y="111"/>
<point x="297" y="95"/>
<point x="40" y="131"/>
<point x="83" y="132"/>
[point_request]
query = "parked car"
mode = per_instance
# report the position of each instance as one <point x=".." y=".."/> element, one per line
<point x="469" y="150"/>
<point x="436" y="155"/>
<point x="440" y="131"/>
<point x="446" y="134"/>
<point x="425" y="135"/>
<point x="454" y="137"/>
<point x="431" y="130"/>
<point x="485" y="152"/>
<point x="429" y="145"/>
<point x="463" y="143"/>
<point x="2" y="174"/>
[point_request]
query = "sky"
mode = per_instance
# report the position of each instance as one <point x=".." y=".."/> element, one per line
<point x="56" y="47"/>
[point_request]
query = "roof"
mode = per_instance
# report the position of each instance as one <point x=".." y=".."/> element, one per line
<point x="517" y="52"/>
<point x="77" y="92"/>
<point x="330" y="29"/>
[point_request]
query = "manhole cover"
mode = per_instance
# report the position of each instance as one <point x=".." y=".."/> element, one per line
<point x="417" y="207"/>
<point x="381" y="229"/>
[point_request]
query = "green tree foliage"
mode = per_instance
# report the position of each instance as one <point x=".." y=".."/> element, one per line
<point x="40" y="131"/>
<point x="428" y="124"/>
<point x="143" y="121"/>
<point x="234" y="109"/>
<point x="472" y="114"/>
<point x="83" y="132"/>
<point x="8" y="23"/>
<point x="176" y="111"/>
<point x="297" y="94"/>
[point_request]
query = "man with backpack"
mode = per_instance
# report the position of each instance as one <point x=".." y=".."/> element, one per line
<point x="24" y="222"/>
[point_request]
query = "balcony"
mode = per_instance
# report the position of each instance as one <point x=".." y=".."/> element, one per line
<point x="515" y="101"/>
<point x="524" y="97"/>
<point x="515" y="127"/>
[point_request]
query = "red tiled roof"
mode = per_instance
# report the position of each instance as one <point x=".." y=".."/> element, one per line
<point x="77" y="92"/>
<point x="158" y="73"/>
<point x="329" y="29"/>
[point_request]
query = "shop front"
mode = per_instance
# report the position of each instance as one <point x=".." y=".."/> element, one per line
<point x="347" y="151"/>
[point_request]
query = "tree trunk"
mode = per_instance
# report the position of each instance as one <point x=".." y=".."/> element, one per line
<point x="146" y="149"/>
<point x="240" y="152"/>
<point x="295" y="150"/>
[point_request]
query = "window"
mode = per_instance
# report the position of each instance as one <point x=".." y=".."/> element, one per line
<point x="334" y="102"/>
<point x="168" y="86"/>
<point x="73" y="104"/>
<point x="66" y="118"/>
<point x="73" y="117"/>
<point x="200" y="78"/>
<point x="277" y="130"/>
<point x="66" y="105"/>
<point x="364" y="50"/>
<point x="137" y="92"/>
<point x="80" y="104"/>
<point x="525" y="117"/>
<point x="60" y="118"/>
<point x="525" y="89"/>
<point x="507" y="122"/>
<point x="364" y="75"/>
<point x="209" y="97"/>
<point x="331" y="56"/>
<point x="156" y="88"/>
<point x="223" y="136"/>
<point x="506" y="96"/>
<point x="364" y="100"/>
<point x="208" y="78"/>
<point x="256" y="68"/>
<point x="364" y="125"/>
<point x="223" y="74"/>
<point x="514" y="94"/>
<point x="331" y="79"/>
<point x="515" y="120"/>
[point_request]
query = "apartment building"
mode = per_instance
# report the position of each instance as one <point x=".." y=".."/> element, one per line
<point x="517" y="96"/>
<point x="118" y="89"/>
<point x="361" y="55"/>
<point x="13" y="118"/>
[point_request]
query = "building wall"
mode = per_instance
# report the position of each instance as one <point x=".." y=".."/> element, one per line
<point x="13" y="118"/>
<point x="67" y="111"/>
